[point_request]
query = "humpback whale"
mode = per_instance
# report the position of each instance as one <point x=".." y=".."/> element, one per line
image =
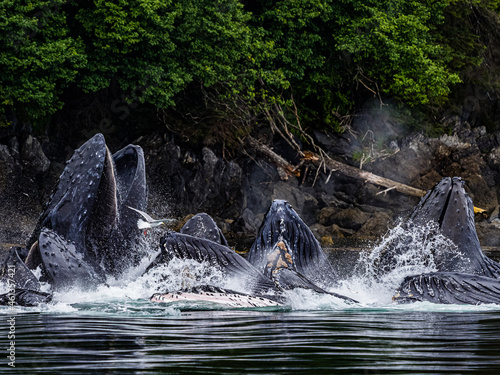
<point x="201" y="250"/>
<point x="87" y="207"/>
<point x="465" y="277"/>
<point x="448" y="205"/>
<point x="87" y="232"/>
<point x="83" y="235"/>
<point x="259" y="291"/>
<point x="266" y="280"/>
<point x="203" y="226"/>
<point x="449" y="288"/>
<point x="285" y="246"/>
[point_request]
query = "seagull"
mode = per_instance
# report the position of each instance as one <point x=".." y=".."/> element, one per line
<point x="150" y="222"/>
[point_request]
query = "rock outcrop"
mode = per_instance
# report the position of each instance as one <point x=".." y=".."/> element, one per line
<point x="185" y="180"/>
<point x="26" y="181"/>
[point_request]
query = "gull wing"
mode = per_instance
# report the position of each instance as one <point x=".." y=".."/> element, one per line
<point x="143" y="214"/>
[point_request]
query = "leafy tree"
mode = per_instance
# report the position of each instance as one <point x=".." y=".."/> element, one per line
<point x="37" y="57"/>
<point x="391" y="42"/>
<point x="307" y="61"/>
<point x="328" y="50"/>
<point x="153" y="49"/>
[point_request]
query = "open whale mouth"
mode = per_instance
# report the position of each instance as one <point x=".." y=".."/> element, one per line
<point x="83" y="229"/>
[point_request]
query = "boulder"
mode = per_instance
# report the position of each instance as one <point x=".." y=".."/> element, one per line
<point x="351" y="218"/>
<point x="375" y="227"/>
<point x="25" y="183"/>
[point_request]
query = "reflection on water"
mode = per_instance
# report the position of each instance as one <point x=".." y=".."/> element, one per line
<point x="405" y="340"/>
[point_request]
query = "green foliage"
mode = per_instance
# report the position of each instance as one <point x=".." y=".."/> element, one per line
<point x="391" y="43"/>
<point x="158" y="47"/>
<point x="331" y="52"/>
<point x="37" y="57"/>
<point x="304" y="61"/>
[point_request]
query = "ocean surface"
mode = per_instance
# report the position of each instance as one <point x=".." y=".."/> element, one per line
<point x="117" y="330"/>
<point x="136" y="338"/>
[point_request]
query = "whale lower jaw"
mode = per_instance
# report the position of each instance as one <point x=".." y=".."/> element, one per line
<point x="449" y="288"/>
<point x="224" y="298"/>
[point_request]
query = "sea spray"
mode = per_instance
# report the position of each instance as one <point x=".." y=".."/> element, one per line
<point x="405" y="250"/>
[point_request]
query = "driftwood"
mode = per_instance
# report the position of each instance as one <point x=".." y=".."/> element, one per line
<point x="275" y="158"/>
<point x="359" y="174"/>
<point x="335" y="166"/>
<point x="347" y="170"/>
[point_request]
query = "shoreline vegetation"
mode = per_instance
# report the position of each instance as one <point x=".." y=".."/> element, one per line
<point x="224" y="69"/>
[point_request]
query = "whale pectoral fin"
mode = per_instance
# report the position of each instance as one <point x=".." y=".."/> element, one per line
<point x="13" y="268"/>
<point x="449" y="288"/>
<point x="64" y="265"/>
<point x="181" y="246"/>
<point x="287" y="279"/>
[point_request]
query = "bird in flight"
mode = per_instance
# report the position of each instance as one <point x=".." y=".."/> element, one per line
<point x="149" y="222"/>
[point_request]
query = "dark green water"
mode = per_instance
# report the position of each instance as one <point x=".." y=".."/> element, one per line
<point x="141" y="338"/>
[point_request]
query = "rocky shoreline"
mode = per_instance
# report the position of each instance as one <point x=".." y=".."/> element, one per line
<point x="184" y="179"/>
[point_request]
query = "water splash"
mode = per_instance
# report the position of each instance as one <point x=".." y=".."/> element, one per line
<point x="305" y="299"/>
<point x="181" y="274"/>
<point x="404" y="251"/>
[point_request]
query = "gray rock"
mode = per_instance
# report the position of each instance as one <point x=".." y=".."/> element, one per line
<point x="351" y="218"/>
<point x="34" y="160"/>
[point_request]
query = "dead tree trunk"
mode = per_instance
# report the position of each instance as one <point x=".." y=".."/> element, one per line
<point x="335" y="166"/>
<point x="345" y="169"/>
<point x="359" y="174"/>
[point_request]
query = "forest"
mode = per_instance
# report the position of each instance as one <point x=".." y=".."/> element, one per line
<point x="230" y="67"/>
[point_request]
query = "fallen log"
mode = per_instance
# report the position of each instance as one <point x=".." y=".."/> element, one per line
<point x="345" y="169"/>
<point x="366" y="176"/>
<point x="275" y="158"/>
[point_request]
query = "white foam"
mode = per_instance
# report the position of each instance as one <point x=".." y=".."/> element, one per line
<point x="414" y="251"/>
<point x="304" y="299"/>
